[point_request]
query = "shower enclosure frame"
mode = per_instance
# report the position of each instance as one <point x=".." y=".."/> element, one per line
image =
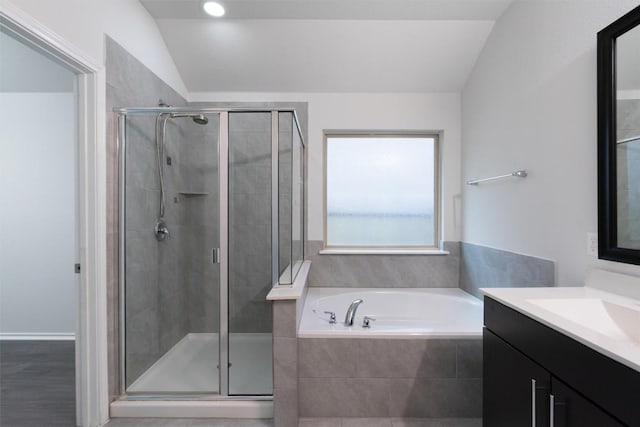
<point x="223" y="184"/>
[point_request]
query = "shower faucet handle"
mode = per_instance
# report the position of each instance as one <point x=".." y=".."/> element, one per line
<point x="332" y="316"/>
<point x="161" y="231"/>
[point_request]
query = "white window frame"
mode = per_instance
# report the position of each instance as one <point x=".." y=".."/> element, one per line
<point x="436" y="248"/>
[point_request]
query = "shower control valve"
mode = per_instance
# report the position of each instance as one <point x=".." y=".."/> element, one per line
<point x="332" y="316"/>
<point x="366" y="322"/>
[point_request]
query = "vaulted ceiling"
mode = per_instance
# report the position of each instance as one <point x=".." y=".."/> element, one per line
<point x="326" y="45"/>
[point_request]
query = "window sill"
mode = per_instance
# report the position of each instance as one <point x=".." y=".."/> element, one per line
<point x="382" y="252"/>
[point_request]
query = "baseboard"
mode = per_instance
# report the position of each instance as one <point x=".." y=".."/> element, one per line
<point x="44" y="336"/>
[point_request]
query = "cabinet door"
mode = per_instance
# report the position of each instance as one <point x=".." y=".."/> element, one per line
<point x="516" y="390"/>
<point x="573" y="410"/>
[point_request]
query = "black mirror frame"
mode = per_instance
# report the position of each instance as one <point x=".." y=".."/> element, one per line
<point x="607" y="193"/>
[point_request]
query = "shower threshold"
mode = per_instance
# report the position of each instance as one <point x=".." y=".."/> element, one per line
<point x="190" y="367"/>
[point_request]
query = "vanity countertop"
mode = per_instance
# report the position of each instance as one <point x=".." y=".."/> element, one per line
<point x="604" y="321"/>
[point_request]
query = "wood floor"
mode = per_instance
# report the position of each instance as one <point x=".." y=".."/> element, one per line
<point x="37" y="383"/>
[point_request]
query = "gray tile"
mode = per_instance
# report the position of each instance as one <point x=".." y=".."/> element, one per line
<point x="406" y="358"/>
<point x="284" y="319"/>
<point x="343" y="397"/>
<point x="488" y="267"/>
<point x="285" y="407"/>
<point x="469" y="358"/>
<point x="437" y="422"/>
<point x="285" y="363"/>
<point x="147" y="422"/>
<point x="319" y="422"/>
<point x="407" y="271"/>
<point x="230" y="422"/>
<point x="436" y="398"/>
<point x="326" y="358"/>
<point x="366" y="422"/>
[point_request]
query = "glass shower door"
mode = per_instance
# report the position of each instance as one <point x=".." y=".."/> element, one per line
<point x="171" y="233"/>
<point x="250" y="253"/>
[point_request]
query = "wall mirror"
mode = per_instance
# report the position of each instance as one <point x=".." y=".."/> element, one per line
<point x="619" y="140"/>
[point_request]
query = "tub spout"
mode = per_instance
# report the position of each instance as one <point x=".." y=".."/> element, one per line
<point x="351" y="312"/>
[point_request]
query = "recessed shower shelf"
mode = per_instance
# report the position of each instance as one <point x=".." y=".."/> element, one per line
<point x="193" y="193"/>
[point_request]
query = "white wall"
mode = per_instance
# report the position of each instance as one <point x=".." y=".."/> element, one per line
<point x="37" y="195"/>
<point x="530" y="103"/>
<point x="30" y="71"/>
<point x="83" y="23"/>
<point x="372" y="111"/>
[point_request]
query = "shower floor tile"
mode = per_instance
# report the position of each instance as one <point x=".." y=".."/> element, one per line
<point x="191" y="366"/>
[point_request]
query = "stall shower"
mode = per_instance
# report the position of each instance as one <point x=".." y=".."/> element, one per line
<point x="212" y="207"/>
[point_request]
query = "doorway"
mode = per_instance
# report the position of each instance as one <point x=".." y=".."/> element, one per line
<point x="53" y="247"/>
<point x="38" y="284"/>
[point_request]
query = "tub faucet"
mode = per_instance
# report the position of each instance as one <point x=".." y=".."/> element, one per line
<point x="351" y="312"/>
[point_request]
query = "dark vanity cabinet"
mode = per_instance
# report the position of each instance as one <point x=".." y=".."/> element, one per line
<point x="536" y="376"/>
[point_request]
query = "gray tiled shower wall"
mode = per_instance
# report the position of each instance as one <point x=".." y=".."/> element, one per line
<point x="166" y="296"/>
<point x="130" y="83"/>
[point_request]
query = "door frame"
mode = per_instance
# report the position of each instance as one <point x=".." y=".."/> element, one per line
<point x="92" y="396"/>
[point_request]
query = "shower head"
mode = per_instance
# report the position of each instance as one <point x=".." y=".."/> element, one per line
<point x="200" y="119"/>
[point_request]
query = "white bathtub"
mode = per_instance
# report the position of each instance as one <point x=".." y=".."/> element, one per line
<point x="399" y="313"/>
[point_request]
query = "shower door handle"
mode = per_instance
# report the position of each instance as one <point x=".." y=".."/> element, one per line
<point x="215" y="255"/>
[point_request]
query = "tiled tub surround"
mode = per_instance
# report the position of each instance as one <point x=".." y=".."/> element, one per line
<point x="433" y="371"/>
<point x="286" y="318"/>
<point x="423" y="378"/>
<point x="483" y="267"/>
<point x="384" y="271"/>
<point x="285" y="363"/>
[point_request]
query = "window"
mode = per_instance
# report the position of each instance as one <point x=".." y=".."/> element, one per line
<point x="381" y="191"/>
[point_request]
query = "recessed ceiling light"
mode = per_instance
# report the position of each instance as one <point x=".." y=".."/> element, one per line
<point x="213" y="8"/>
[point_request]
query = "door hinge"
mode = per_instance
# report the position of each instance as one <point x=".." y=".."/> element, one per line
<point x="76" y="268"/>
<point x="215" y="255"/>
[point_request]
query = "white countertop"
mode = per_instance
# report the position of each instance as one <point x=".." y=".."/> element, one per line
<point x="606" y="322"/>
